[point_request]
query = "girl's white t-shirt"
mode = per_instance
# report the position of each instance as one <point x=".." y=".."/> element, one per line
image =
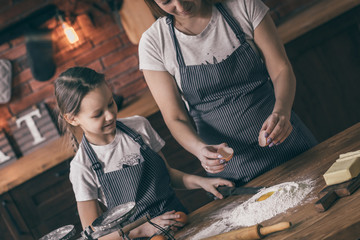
<point x="122" y="150"/>
<point x="214" y="44"/>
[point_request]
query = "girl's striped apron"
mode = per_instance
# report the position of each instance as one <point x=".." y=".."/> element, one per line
<point x="230" y="100"/>
<point x="147" y="183"/>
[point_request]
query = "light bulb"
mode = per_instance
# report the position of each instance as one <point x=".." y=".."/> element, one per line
<point x="70" y="33"/>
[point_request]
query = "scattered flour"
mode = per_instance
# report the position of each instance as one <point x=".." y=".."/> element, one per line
<point x="252" y="212"/>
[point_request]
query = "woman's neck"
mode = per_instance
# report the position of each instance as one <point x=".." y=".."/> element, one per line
<point x="196" y="24"/>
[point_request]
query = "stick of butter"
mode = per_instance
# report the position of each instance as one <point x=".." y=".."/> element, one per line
<point x="342" y="171"/>
<point x="348" y="155"/>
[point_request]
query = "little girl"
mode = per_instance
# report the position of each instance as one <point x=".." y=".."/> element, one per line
<point x="119" y="160"/>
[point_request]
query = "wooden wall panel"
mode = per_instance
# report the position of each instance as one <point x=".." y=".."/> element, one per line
<point x="326" y="64"/>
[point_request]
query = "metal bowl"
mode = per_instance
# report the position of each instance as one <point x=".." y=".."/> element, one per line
<point x="114" y="217"/>
<point x="63" y="233"/>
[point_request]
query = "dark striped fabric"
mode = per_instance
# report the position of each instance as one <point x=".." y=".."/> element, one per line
<point x="230" y="100"/>
<point x="147" y="183"/>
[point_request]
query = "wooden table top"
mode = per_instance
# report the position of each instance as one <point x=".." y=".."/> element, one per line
<point x="341" y="221"/>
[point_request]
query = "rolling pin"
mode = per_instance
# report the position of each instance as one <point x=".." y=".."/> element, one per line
<point x="251" y="233"/>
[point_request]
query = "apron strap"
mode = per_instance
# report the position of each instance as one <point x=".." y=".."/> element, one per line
<point x="229" y="19"/>
<point x="179" y="56"/>
<point x="235" y="26"/>
<point x="133" y="134"/>
<point x="97" y="168"/>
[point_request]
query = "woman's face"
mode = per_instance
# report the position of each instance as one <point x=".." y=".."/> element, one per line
<point x="180" y="8"/>
<point x="97" y="115"/>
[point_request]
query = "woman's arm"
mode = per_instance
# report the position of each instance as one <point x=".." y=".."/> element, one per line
<point x="181" y="180"/>
<point x="167" y="97"/>
<point x="278" y="124"/>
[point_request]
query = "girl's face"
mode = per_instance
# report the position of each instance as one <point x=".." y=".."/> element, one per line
<point x="180" y="8"/>
<point x="97" y="115"/>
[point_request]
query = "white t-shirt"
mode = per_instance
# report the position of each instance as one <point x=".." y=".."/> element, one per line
<point x="122" y="150"/>
<point x="214" y="44"/>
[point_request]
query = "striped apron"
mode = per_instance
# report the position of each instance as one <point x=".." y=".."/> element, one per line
<point x="147" y="183"/>
<point x="230" y="100"/>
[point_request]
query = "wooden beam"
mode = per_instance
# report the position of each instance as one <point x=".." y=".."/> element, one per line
<point x="313" y="17"/>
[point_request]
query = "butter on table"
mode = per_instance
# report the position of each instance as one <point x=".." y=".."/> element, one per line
<point x="348" y="155"/>
<point x="343" y="170"/>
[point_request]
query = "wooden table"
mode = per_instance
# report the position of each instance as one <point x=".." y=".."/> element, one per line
<point x="341" y="221"/>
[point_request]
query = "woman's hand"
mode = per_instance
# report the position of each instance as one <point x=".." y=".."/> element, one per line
<point x="210" y="159"/>
<point x="165" y="220"/>
<point x="210" y="185"/>
<point x="277" y="127"/>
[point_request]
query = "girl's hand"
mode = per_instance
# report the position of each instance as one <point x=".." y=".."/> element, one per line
<point x="211" y="160"/>
<point x="277" y="127"/>
<point x="165" y="220"/>
<point x="210" y="185"/>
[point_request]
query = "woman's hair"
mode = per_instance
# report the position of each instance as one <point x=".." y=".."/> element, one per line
<point x="71" y="87"/>
<point x="158" y="12"/>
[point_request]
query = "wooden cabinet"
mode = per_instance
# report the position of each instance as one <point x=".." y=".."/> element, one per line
<point x="326" y="63"/>
<point x="39" y="206"/>
<point x="47" y="201"/>
<point x="12" y="225"/>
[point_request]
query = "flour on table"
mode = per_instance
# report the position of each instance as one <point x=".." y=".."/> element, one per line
<point x="286" y="195"/>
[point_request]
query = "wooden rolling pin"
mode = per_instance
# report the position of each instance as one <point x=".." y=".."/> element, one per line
<point x="250" y="233"/>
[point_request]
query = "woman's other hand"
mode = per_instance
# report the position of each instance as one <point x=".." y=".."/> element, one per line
<point x="210" y="159"/>
<point x="277" y="127"/>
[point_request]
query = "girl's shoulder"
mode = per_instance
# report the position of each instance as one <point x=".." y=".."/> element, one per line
<point x="133" y="119"/>
<point x="80" y="160"/>
<point x="135" y="122"/>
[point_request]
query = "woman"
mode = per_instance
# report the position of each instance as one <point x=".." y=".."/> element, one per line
<point x="227" y="63"/>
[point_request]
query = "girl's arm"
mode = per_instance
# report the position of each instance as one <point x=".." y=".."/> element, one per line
<point x="278" y="124"/>
<point x="181" y="180"/>
<point x="90" y="210"/>
<point x="166" y="94"/>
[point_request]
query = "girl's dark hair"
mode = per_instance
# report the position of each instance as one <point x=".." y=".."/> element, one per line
<point x="158" y="12"/>
<point x="71" y="87"/>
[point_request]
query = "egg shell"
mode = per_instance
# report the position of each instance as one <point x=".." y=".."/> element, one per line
<point x="262" y="139"/>
<point x="226" y="152"/>
<point x="183" y="217"/>
<point x="159" y="237"/>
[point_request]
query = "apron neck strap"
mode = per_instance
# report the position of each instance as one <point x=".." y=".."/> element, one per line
<point x="179" y="56"/>
<point x="95" y="164"/>
<point x="133" y="134"/>
<point x="228" y="18"/>
<point x="91" y="154"/>
<point x="232" y="22"/>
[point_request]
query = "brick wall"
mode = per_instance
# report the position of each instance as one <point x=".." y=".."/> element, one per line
<point x="103" y="46"/>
